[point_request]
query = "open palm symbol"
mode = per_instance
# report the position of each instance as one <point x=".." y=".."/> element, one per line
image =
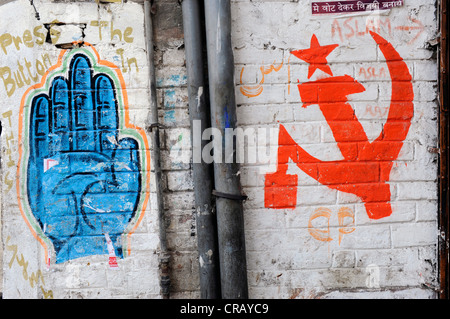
<point x="82" y="181"/>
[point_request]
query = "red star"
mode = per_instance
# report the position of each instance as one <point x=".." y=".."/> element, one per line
<point x="316" y="56"/>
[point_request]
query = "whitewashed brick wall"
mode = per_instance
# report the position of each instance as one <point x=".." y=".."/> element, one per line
<point x="392" y="257"/>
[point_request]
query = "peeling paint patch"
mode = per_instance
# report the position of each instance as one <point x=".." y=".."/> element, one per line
<point x="169" y="116"/>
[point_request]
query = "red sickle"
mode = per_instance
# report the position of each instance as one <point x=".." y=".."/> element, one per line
<point x="366" y="166"/>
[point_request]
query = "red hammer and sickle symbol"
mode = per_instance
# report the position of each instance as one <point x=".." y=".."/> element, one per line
<point x="366" y="166"/>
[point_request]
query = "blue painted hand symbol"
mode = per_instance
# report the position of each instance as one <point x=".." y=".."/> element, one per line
<point x="82" y="181"/>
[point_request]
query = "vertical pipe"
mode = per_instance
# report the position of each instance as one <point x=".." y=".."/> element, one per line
<point x="202" y="172"/>
<point x="230" y="220"/>
<point x="153" y="127"/>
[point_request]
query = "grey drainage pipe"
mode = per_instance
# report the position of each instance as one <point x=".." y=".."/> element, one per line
<point x="230" y="219"/>
<point x="202" y="172"/>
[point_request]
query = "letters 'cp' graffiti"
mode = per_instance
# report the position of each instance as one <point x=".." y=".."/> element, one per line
<point x="81" y="172"/>
<point x="366" y="166"/>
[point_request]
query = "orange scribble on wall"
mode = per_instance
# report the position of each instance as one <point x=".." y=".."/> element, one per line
<point x="372" y="73"/>
<point x="255" y="90"/>
<point x="346" y="228"/>
<point x="322" y="232"/>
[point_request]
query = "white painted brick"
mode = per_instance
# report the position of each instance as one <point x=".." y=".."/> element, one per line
<point x="139" y="117"/>
<point x="247" y="74"/>
<point x="292" y="94"/>
<point x="407" y="152"/>
<point x="261" y="219"/>
<point x="257" y="57"/>
<point x="302" y="215"/>
<point x="403" y="275"/>
<point x="386" y="257"/>
<point x="336" y="278"/>
<point x="423" y="155"/>
<point x="417" y="234"/>
<point x="255" y="198"/>
<point x="304" y="132"/>
<point x="372" y="129"/>
<point x="353" y="54"/>
<point x="251" y="176"/>
<point x="143" y="287"/>
<point x="404" y="172"/>
<point x="425" y="91"/>
<point x="298" y="70"/>
<point x="419" y="51"/>
<point x="262" y="114"/>
<point x="315" y="257"/>
<point x="261" y="240"/>
<point x="307" y="114"/>
<point x="379" y="238"/>
<point x="427" y="210"/>
<point x="370" y="93"/>
<point x="270" y="261"/>
<point x="144" y="242"/>
<point x="347" y="198"/>
<point x="417" y="190"/>
<point x="316" y="195"/>
<point x="270" y="94"/>
<point x="425" y="71"/>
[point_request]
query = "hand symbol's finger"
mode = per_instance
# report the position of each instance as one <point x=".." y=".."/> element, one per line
<point x="38" y="144"/>
<point x="83" y="112"/>
<point x="39" y="128"/>
<point x="59" y="93"/>
<point x="107" y="117"/>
